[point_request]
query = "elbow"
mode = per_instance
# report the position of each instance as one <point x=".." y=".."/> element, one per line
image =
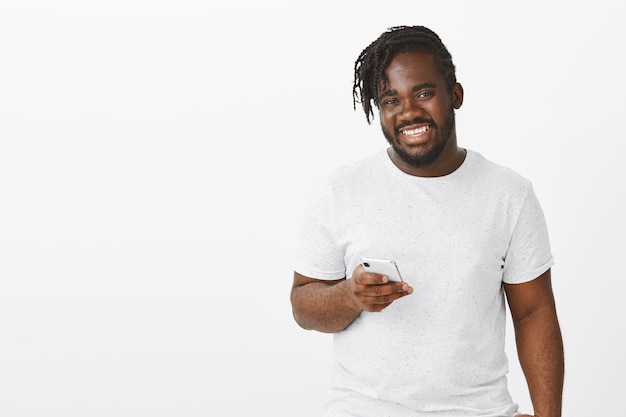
<point x="300" y="321"/>
<point x="298" y="315"/>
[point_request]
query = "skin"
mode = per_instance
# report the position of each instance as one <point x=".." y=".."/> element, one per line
<point x="330" y="306"/>
<point x="539" y="342"/>
<point x="416" y="97"/>
<point x="417" y="118"/>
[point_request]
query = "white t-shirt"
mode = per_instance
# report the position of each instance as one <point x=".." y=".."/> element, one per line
<point x="456" y="238"/>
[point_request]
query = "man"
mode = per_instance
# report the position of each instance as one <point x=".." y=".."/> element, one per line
<point x="464" y="232"/>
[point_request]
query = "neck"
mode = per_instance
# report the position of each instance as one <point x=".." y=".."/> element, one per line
<point x="449" y="161"/>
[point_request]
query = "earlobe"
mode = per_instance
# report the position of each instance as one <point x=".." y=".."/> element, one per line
<point x="457" y="95"/>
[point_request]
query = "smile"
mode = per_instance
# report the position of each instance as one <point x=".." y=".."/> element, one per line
<point x="415" y="132"/>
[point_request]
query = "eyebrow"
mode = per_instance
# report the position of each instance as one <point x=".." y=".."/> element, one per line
<point x="418" y="87"/>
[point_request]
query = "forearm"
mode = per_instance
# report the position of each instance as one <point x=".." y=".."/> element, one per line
<point x="323" y="307"/>
<point x="540" y="351"/>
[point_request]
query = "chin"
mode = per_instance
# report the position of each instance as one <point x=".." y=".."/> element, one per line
<point x="420" y="156"/>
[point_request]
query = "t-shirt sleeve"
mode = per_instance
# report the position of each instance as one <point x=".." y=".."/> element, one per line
<point x="529" y="253"/>
<point x="317" y="253"/>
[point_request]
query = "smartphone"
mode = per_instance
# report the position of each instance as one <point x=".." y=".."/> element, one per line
<point x="382" y="266"/>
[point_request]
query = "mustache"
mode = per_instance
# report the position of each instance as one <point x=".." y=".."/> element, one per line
<point x="416" y="121"/>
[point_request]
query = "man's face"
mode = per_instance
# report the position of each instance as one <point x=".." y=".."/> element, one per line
<point x="417" y="110"/>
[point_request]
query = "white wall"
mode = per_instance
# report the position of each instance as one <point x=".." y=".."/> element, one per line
<point x="155" y="158"/>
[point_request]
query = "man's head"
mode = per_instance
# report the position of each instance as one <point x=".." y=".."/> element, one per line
<point x="409" y="76"/>
<point x="369" y="68"/>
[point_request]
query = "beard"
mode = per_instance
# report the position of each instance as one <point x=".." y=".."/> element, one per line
<point x="425" y="155"/>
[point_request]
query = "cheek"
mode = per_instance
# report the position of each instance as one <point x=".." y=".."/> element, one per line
<point x="386" y="124"/>
<point x="387" y="118"/>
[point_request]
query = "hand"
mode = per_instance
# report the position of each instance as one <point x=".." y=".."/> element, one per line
<point x="372" y="292"/>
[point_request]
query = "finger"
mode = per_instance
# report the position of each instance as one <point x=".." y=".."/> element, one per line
<point x="371" y="278"/>
<point x="386" y="289"/>
<point x="376" y="308"/>
<point x="382" y="299"/>
<point x="406" y="288"/>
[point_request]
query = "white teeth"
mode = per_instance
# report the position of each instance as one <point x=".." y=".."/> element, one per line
<point x="412" y="132"/>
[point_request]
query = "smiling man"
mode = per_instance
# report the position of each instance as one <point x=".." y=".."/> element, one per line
<point x="466" y="235"/>
<point x="420" y="145"/>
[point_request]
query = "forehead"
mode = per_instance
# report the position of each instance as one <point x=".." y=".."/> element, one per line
<point x="418" y="67"/>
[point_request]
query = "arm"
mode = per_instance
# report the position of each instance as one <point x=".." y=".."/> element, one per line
<point x="330" y="306"/>
<point x="539" y="342"/>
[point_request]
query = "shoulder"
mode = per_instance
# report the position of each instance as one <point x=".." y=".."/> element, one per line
<point x="360" y="171"/>
<point x="346" y="182"/>
<point x="488" y="173"/>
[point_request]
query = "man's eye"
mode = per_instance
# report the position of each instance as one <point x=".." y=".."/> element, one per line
<point x="391" y="101"/>
<point x="424" y="94"/>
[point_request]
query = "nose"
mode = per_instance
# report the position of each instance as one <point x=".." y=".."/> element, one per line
<point x="410" y="109"/>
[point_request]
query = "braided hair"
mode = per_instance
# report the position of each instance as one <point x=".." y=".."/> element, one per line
<point x="369" y="68"/>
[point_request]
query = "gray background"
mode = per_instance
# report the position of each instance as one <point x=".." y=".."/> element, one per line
<point x="155" y="158"/>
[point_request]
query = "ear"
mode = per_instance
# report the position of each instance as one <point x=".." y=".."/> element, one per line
<point x="457" y="95"/>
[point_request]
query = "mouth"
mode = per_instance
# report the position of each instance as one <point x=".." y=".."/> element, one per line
<point x="415" y="131"/>
<point x="415" y="135"/>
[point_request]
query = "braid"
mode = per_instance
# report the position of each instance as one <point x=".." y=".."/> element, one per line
<point x="369" y="68"/>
